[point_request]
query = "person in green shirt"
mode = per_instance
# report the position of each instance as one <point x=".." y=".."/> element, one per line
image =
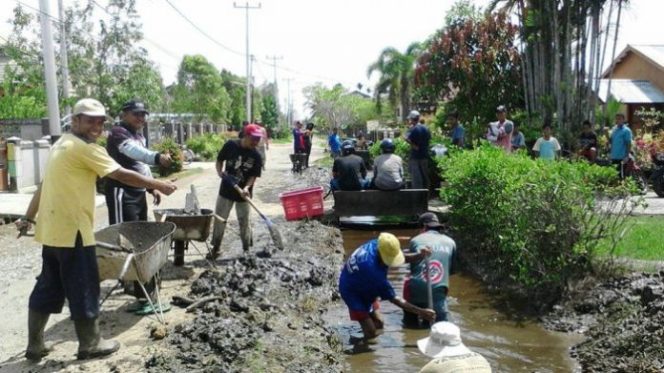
<point x="440" y="267"/>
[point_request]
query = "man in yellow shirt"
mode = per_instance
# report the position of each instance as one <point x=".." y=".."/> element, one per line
<point x="65" y="200"/>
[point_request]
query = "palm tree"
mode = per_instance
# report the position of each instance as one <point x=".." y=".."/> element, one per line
<point x="396" y="76"/>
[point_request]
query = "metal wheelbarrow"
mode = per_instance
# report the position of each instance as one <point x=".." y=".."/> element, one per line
<point x="134" y="251"/>
<point x="189" y="227"/>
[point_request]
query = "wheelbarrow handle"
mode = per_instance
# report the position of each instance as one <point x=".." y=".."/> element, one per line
<point x="110" y="246"/>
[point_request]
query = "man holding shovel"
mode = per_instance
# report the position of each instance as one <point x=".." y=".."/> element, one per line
<point x="428" y="282"/>
<point x="364" y="279"/>
<point x="238" y="163"/>
<point x="65" y="200"/>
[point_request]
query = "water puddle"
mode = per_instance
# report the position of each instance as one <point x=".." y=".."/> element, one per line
<point x="509" y="345"/>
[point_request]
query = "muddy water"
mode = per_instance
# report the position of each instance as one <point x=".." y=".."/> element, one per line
<point x="510" y="346"/>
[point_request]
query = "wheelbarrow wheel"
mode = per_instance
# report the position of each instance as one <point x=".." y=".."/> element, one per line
<point x="179" y="247"/>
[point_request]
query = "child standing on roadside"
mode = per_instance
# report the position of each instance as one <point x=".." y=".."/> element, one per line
<point x="547" y="147"/>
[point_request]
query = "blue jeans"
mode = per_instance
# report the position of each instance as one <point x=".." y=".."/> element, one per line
<point x="334" y="184"/>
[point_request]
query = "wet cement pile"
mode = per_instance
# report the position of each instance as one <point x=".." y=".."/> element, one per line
<point x="623" y="320"/>
<point x="268" y="315"/>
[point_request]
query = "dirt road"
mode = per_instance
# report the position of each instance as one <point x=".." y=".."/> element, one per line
<point x="21" y="264"/>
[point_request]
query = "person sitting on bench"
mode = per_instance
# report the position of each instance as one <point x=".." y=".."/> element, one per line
<point x="388" y="168"/>
<point x="348" y="171"/>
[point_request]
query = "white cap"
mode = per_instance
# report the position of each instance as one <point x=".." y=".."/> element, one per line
<point x="89" y="107"/>
<point x="444" y="340"/>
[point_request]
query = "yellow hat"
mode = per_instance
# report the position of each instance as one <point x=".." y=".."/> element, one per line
<point x="390" y="250"/>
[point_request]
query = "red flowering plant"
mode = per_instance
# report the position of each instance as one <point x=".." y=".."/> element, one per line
<point x="474" y="66"/>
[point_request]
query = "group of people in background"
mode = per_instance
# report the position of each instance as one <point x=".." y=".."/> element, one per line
<point x="302" y="141"/>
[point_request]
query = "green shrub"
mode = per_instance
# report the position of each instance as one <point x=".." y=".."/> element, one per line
<point x="528" y="225"/>
<point x="402" y="148"/>
<point x="206" y="146"/>
<point x="168" y="145"/>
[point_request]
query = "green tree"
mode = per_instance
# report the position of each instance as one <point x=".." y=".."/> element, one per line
<point x="337" y="107"/>
<point x="200" y="90"/>
<point x="22" y="91"/>
<point x="474" y="66"/>
<point x="396" y="71"/>
<point x="270" y="112"/>
<point x="236" y="88"/>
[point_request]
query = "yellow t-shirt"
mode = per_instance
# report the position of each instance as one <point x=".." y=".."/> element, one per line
<point x="68" y="191"/>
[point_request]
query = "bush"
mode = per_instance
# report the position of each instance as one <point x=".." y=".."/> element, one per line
<point x="206" y="146"/>
<point x="168" y="145"/>
<point x="528" y="225"/>
<point x="402" y="148"/>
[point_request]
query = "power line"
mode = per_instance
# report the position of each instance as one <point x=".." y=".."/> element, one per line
<point x="157" y="45"/>
<point x="202" y="31"/>
<point x="40" y="11"/>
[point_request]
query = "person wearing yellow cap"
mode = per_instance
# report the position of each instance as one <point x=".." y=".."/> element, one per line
<point x="363" y="280"/>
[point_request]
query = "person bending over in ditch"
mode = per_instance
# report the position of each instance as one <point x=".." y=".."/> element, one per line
<point x="65" y="202"/>
<point x="441" y="266"/>
<point x="238" y="163"/>
<point x="363" y="280"/>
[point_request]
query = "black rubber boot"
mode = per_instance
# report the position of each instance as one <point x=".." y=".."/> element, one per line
<point x="90" y="342"/>
<point x="214" y="252"/>
<point x="36" y="324"/>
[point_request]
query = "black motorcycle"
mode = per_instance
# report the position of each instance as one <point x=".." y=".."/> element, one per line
<point x="657" y="176"/>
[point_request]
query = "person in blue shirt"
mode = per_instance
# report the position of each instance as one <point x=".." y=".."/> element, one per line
<point x="621" y="143"/>
<point x="363" y="281"/>
<point x="458" y="132"/>
<point x="518" y="140"/>
<point x="335" y="143"/>
<point x="418" y="165"/>
<point x="547" y="147"/>
<point x="438" y="268"/>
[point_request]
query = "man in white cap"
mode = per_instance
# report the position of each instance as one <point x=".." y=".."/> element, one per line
<point x="499" y="132"/>
<point x="449" y="353"/>
<point x="65" y="200"/>
<point x="363" y="280"/>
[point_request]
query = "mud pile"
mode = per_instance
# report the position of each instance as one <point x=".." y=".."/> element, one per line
<point x="623" y="320"/>
<point x="268" y="315"/>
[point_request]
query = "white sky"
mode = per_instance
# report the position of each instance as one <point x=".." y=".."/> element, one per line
<point x="320" y="40"/>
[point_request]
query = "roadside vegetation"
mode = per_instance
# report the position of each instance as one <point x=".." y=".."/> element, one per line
<point x="206" y="146"/>
<point x="643" y="239"/>
<point x="528" y="226"/>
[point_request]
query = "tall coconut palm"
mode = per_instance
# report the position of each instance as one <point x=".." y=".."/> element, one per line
<point x="396" y="71"/>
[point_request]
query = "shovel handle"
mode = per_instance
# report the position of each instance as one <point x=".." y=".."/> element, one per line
<point x="429" y="290"/>
<point x="239" y="190"/>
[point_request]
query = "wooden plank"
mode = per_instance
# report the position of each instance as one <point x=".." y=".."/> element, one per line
<point x="377" y="202"/>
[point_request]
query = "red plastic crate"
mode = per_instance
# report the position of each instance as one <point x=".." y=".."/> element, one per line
<point x="302" y="203"/>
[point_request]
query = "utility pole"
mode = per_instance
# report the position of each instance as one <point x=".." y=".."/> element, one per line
<point x="289" y="113"/>
<point x="252" y="59"/>
<point x="274" y="66"/>
<point x="64" y="61"/>
<point x="246" y="8"/>
<point x="49" y="71"/>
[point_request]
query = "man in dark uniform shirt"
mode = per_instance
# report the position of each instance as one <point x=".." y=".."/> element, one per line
<point x="127" y="146"/>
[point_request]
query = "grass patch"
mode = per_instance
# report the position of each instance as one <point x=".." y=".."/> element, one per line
<point x="643" y="239"/>
<point x="325" y="162"/>
<point x="282" y="140"/>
